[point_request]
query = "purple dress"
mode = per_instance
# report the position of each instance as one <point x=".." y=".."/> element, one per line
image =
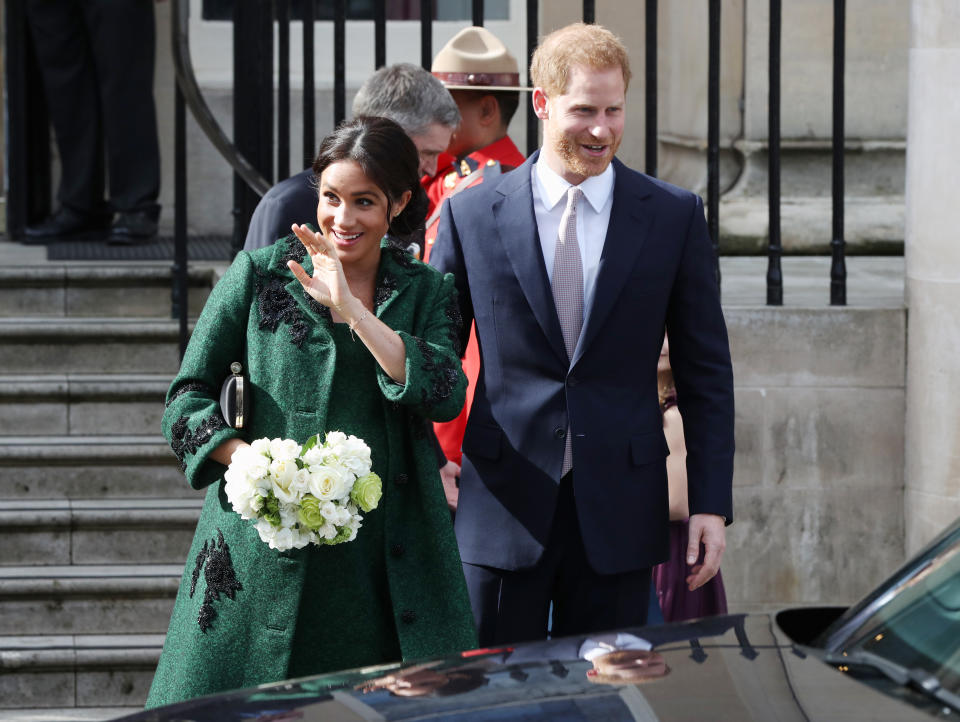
<point x="669" y="578"/>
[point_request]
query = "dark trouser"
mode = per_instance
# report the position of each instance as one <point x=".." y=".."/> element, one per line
<point x="514" y="606"/>
<point x="96" y="58"/>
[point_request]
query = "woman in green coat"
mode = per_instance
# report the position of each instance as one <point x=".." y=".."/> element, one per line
<point x="336" y="330"/>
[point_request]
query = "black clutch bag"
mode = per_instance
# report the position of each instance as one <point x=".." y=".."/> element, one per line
<point x="235" y="398"/>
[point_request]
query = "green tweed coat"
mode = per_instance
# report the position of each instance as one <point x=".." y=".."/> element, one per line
<point x="236" y="611"/>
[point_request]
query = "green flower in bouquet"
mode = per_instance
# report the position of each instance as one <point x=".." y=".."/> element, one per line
<point x="367" y="491"/>
<point x="309" y="512"/>
<point x="271" y="509"/>
<point x="344" y="534"/>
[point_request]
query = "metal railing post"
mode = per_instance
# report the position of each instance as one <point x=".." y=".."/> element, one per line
<point x="180" y="287"/>
<point x="477" y="12"/>
<point x="838" y="269"/>
<point x="650" y="89"/>
<point x="774" y="273"/>
<point x="533" y="24"/>
<point x="589" y="11"/>
<point x="713" y="132"/>
<point x="252" y="103"/>
<point x="379" y="33"/>
<point x="426" y="33"/>
<point x="283" y="89"/>
<point x="309" y="89"/>
<point x="339" y="61"/>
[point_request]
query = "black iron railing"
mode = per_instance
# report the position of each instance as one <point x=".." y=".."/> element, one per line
<point x="713" y="132"/>
<point x="774" y="272"/>
<point x="251" y="152"/>
<point x="838" y="269"/>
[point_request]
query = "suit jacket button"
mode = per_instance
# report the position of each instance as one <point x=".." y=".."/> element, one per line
<point x="401" y="479"/>
<point x="560" y="432"/>
<point x="397" y="550"/>
<point x="572" y="381"/>
<point x="408" y="616"/>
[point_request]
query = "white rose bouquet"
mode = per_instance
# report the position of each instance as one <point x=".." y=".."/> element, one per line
<point x="296" y="495"/>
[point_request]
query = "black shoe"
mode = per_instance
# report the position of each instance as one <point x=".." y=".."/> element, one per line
<point x="132" y="227"/>
<point x="67" y="224"/>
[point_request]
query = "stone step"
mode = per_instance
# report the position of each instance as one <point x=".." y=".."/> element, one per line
<point x="96" y="290"/>
<point x="97" y="531"/>
<point x="89" y="467"/>
<point x="100" y="676"/>
<point x="88" y="345"/>
<point x="87" y="599"/>
<point x="77" y="404"/>
<point x="67" y="714"/>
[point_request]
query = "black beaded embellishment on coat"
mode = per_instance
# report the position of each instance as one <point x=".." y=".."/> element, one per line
<point x="295" y="252"/>
<point x="219" y="575"/>
<point x="443" y="374"/>
<point x="276" y="305"/>
<point x="456" y="324"/>
<point x="183" y="441"/>
<point x="317" y="307"/>
<point x="187" y="388"/>
<point x="402" y="257"/>
<point x="385" y="288"/>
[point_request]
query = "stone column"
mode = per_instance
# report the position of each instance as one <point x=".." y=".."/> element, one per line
<point x="932" y="495"/>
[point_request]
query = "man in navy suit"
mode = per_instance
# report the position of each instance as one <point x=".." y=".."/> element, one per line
<point x="563" y="490"/>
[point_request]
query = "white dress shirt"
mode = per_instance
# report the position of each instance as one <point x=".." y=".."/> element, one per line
<point x="593" y="217"/>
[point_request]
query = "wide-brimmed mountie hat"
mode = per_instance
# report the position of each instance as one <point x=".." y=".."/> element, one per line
<point x="475" y="59"/>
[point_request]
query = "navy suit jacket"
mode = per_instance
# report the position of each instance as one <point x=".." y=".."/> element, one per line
<point x="656" y="271"/>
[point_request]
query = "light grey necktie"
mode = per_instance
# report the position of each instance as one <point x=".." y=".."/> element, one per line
<point x="568" y="291"/>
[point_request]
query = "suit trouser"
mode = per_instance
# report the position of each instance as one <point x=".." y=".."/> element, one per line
<point x="96" y="58"/>
<point x="514" y="606"/>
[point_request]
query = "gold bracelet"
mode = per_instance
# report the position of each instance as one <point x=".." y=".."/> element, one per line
<point x="357" y="323"/>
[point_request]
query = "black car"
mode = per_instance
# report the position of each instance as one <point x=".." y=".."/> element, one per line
<point x="894" y="656"/>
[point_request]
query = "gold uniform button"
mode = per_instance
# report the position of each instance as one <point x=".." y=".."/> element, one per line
<point x="464" y="168"/>
<point x="491" y="162"/>
<point x="450" y="181"/>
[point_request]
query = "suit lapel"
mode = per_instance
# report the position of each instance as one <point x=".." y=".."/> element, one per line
<point x="630" y="220"/>
<point x="516" y="225"/>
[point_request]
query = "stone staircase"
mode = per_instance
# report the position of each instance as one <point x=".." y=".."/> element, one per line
<point x="95" y="517"/>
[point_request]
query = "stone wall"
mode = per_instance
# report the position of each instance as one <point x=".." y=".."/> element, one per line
<point x="818" y="483"/>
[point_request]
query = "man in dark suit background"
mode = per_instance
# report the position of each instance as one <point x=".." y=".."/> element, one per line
<point x="406" y="94"/>
<point x="572" y="266"/>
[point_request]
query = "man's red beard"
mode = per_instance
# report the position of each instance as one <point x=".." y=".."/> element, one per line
<point x="567" y="149"/>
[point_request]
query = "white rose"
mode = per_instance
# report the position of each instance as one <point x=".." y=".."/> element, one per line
<point x="300" y="483"/>
<point x="334" y="438"/>
<point x="327" y="531"/>
<point x="282" y="472"/>
<point x="261" y="446"/>
<point x="288" y="514"/>
<point x="285" y="449"/>
<point x="329" y="483"/>
<point x="314" y="456"/>
<point x="355" y="455"/>
<point x="250" y="462"/>
<point x="241" y="494"/>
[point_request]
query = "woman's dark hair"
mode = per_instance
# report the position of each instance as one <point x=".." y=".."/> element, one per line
<point x="388" y="158"/>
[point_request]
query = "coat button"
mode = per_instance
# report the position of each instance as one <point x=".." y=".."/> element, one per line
<point x="397" y="550"/>
<point x="408" y="616"/>
<point x="572" y="381"/>
<point x="560" y="432"/>
<point x="401" y="479"/>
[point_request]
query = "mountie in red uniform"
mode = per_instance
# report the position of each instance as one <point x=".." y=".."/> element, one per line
<point x="451" y="178"/>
